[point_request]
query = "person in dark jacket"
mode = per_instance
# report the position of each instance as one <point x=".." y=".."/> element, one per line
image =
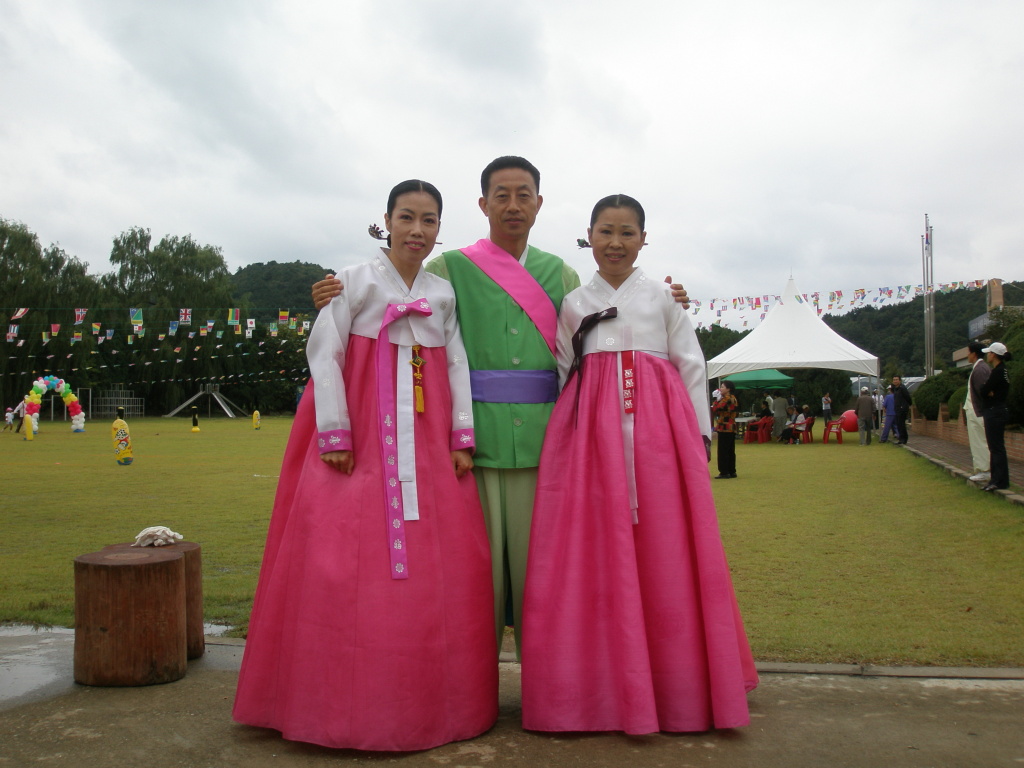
<point x="994" y="413"/>
<point x="901" y="397"/>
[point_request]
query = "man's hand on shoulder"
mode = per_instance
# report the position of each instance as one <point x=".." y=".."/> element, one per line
<point x="325" y="290"/>
<point x="678" y="293"/>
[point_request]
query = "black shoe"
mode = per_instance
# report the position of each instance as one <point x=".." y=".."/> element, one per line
<point x="722" y="476"/>
<point x="991" y="487"/>
<point x="732" y="476"/>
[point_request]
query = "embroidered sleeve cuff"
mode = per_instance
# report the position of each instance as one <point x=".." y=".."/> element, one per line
<point x="334" y="440"/>
<point x="463" y="440"/>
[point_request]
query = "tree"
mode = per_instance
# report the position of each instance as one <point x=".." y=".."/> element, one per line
<point x="273" y="286"/>
<point x="45" y="281"/>
<point x="715" y="339"/>
<point x="178" y="272"/>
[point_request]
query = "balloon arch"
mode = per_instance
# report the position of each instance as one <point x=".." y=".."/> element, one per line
<point x="34" y="399"/>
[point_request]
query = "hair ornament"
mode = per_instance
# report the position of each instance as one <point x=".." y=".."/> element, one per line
<point x="582" y="243"/>
<point x="376" y="232"/>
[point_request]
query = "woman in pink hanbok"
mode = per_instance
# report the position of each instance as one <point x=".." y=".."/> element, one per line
<point x="630" y="622"/>
<point x="371" y="627"/>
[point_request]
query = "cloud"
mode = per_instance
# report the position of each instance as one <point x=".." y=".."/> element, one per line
<point x="760" y="137"/>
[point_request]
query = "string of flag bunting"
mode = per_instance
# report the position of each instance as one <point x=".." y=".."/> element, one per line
<point x="741" y="311"/>
<point x="138" y="327"/>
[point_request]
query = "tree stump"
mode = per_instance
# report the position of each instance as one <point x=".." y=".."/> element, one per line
<point x="195" y="632"/>
<point x="130" y="617"/>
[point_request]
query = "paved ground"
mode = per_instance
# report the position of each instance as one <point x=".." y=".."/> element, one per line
<point x="802" y="716"/>
<point x="956" y="459"/>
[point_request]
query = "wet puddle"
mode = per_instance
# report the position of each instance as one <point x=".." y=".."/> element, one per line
<point x="34" y="660"/>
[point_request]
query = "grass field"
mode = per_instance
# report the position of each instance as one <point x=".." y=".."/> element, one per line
<point x="839" y="553"/>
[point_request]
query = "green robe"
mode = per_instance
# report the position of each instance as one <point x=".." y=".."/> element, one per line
<point x="499" y="335"/>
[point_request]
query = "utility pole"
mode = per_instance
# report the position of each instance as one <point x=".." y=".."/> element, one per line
<point x="929" y="299"/>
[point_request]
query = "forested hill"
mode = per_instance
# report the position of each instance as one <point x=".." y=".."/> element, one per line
<point x="895" y="334"/>
<point x="268" y="288"/>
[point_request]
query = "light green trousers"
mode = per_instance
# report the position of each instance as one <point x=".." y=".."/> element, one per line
<point x="506" y="496"/>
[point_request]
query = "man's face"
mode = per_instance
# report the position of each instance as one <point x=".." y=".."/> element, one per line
<point x="972" y="356"/>
<point x="512" y="202"/>
<point x="896" y="381"/>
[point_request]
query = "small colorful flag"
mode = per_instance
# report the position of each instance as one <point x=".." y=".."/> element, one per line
<point x="96" y="328"/>
<point x="80" y="316"/>
<point x="172" y="328"/>
<point x="282" y="316"/>
<point x="135" y="315"/>
<point x="185" y="316"/>
<point x="20" y="313"/>
<point x="110" y="333"/>
<point x="250" y="322"/>
<point x="76" y="337"/>
<point x="54" y="329"/>
<point x="233" y="316"/>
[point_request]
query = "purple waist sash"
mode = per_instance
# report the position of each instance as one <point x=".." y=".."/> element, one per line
<point x="514" y="386"/>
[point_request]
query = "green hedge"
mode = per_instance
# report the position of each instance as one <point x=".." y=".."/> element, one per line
<point x="956" y="402"/>
<point x="937" y="390"/>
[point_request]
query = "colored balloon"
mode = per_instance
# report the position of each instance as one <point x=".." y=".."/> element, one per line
<point x="849" y="421"/>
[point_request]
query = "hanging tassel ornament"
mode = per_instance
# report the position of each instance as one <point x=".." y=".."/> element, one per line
<point x="417" y="378"/>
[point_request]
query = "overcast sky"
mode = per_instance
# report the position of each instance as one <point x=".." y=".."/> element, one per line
<point x="763" y="138"/>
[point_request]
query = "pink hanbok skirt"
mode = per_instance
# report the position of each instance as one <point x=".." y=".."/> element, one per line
<point x="339" y="653"/>
<point x="629" y="627"/>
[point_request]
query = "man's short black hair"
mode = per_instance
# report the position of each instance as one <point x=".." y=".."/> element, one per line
<point x="507" y="161"/>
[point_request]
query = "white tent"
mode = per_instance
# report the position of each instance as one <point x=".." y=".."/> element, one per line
<point x="792" y="336"/>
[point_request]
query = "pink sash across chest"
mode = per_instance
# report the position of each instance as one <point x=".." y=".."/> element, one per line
<point x="517" y="282"/>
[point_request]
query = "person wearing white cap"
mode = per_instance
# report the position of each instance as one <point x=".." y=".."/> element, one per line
<point x="865" y="410"/>
<point x="995" y="414"/>
<point x="980" y="372"/>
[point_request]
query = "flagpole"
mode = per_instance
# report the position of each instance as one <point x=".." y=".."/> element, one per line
<point x="929" y="299"/>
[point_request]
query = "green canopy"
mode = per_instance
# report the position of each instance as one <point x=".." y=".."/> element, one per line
<point x="768" y="378"/>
